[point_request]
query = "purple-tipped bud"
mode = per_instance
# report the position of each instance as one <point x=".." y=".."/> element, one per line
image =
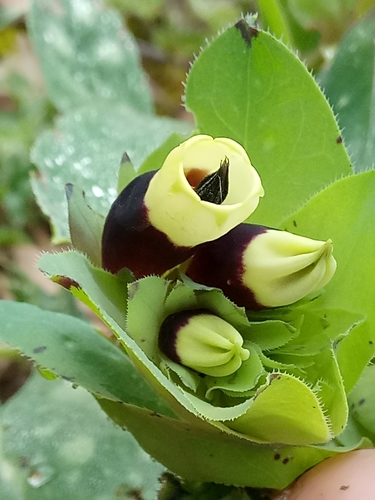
<point x="259" y="267"/>
<point x="202" y="341"/>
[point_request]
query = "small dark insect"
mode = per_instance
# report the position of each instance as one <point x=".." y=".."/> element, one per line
<point x="214" y="187"/>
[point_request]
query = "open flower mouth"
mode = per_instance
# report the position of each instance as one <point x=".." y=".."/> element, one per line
<point x="205" y="188"/>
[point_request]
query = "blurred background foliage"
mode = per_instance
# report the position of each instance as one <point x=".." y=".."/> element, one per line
<point x="335" y="38"/>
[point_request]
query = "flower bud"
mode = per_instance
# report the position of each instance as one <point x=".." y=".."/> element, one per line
<point x="205" y="188"/>
<point x="258" y="267"/>
<point x="202" y="341"/>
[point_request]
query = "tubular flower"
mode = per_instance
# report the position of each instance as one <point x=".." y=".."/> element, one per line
<point x="202" y="341"/>
<point x="258" y="267"/>
<point x="205" y="188"/>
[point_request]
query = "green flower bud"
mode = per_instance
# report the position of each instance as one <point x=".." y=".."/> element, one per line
<point x="202" y="341"/>
<point x="259" y="267"/>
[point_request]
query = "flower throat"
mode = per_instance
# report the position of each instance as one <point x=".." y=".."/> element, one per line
<point x="214" y="187"/>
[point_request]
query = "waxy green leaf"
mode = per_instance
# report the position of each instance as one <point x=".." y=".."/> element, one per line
<point x="85" y="225"/>
<point x="285" y="410"/>
<point x="349" y="86"/>
<point x="362" y="402"/>
<point x="69" y="449"/>
<point x="223" y="458"/>
<point x="87" y="55"/>
<point x="71" y="348"/>
<point x="249" y="87"/>
<point x="344" y="212"/>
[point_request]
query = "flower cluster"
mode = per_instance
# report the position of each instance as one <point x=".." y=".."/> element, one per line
<point x="190" y="215"/>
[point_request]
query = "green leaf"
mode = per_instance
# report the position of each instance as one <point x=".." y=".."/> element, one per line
<point x="320" y="328"/>
<point x="85" y="225"/>
<point x="126" y="173"/>
<point x="146" y="312"/>
<point x="72" y="349"/>
<point x="275" y="18"/>
<point x="249" y="87"/>
<point x="210" y="455"/>
<point x="86" y="150"/>
<point x="325" y="377"/>
<point x="351" y="96"/>
<point x="87" y="56"/>
<point x="69" y="449"/>
<point x="285" y="410"/>
<point x="344" y="212"/>
<point x="362" y="401"/>
<point x="271" y="334"/>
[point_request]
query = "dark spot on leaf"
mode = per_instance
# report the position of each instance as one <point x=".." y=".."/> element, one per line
<point x="294" y="223"/>
<point x="154" y="414"/>
<point x="361" y="401"/>
<point x="370" y="342"/>
<point x="286" y="460"/>
<point x="133" y="287"/>
<point x="352" y="406"/>
<point x="277" y="456"/>
<point x="68" y="379"/>
<point x="125" y="158"/>
<point x="40" y="349"/>
<point x="339" y="140"/>
<point x="35" y="476"/>
<point x="211" y="454"/>
<point x="247" y="32"/>
<point x="68" y="190"/>
<point x="343" y="487"/>
<point x="123" y="491"/>
<point x="66" y="282"/>
<point x="24" y="462"/>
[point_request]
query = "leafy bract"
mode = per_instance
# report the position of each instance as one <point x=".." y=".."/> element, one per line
<point x="352" y="97"/>
<point x="300" y="415"/>
<point x="86" y="55"/>
<point x="68" y="449"/>
<point x="248" y="86"/>
<point x="362" y="401"/>
<point x="344" y="212"/>
<point x="158" y="298"/>
<point x="85" y="225"/>
<point x="86" y="150"/>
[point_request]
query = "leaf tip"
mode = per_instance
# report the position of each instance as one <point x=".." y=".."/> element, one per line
<point x="247" y="31"/>
<point x="68" y="190"/>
